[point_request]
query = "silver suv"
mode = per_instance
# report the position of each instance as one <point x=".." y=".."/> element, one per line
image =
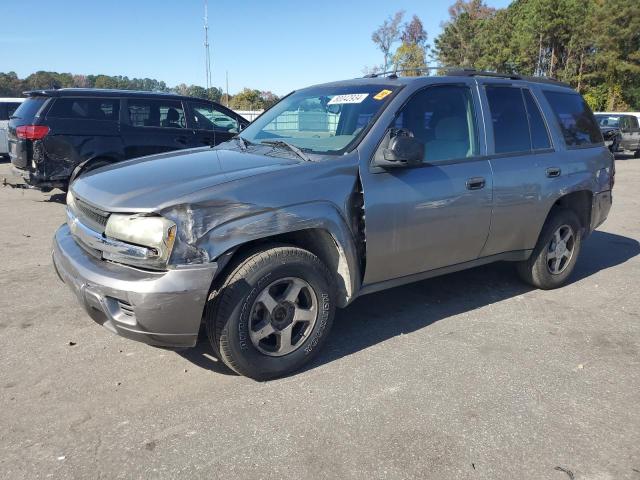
<point x="339" y="190"/>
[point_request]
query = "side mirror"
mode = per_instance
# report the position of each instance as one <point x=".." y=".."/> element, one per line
<point x="403" y="151"/>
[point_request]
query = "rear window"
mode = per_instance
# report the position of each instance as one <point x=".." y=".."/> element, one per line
<point x="29" y="108"/>
<point x="509" y="118"/>
<point x="539" y="133"/>
<point x="579" y="127"/>
<point x="85" y="108"/>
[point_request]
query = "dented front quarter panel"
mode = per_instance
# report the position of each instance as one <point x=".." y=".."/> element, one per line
<point x="310" y="195"/>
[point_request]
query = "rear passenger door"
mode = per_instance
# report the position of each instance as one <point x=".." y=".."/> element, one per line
<point x="212" y="125"/>
<point x="154" y="126"/>
<point x="524" y="164"/>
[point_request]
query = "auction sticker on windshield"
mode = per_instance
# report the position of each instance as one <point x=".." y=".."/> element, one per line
<point x="348" y="98"/>
<point x="382" y="94"/>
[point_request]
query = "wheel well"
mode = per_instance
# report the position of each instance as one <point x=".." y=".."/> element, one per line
<point x="315" y="240"/>
<point x="580" y="203"/>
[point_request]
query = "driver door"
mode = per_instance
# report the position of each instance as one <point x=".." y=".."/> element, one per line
<point x="437" y="214"/>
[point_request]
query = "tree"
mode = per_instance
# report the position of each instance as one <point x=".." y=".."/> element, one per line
<point x="386" y="35"/>
<point x="411" y="55"/>
<point x="214" y="94"/>
<point x="458" y="43"/>
<point x="269" y="99"/>
<point x="252" y="99"/>
<point x="594" y="45"/>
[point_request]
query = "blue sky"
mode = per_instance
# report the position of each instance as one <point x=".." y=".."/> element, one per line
<point x="273" y="45"/>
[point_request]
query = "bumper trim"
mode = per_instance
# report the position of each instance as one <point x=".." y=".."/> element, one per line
<point x="167" y="306"/>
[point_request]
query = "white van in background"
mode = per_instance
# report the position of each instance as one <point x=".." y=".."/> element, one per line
<point x="7" y="107"/>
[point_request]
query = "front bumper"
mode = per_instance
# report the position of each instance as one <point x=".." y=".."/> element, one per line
<point x="158" y="308"/>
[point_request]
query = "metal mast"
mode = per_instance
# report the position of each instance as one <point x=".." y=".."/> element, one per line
<point x="207" y="60"/>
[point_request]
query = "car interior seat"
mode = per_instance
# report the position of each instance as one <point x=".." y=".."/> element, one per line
<point x="172" y="119"/>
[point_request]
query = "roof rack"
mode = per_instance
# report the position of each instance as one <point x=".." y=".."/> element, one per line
<point x="394" y="73"/>
<point x="471" y="72"/>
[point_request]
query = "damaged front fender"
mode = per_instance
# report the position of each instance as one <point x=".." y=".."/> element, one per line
<point x="208" y="230"/>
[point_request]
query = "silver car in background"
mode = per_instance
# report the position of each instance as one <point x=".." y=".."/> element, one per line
<point x="8" y="106"/>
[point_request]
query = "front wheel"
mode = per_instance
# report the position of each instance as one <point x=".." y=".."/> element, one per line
<point x="272" y="313"/>
<point x="554" y="256"/>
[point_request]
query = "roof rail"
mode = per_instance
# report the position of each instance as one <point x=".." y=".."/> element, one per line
<point x="471" y="72"/>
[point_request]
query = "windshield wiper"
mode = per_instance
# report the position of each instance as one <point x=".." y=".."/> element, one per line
<point x="293" y="148"/>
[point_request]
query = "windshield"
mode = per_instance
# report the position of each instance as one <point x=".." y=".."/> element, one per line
<point x="608" y="121"/>
<point x="327" y="120"/>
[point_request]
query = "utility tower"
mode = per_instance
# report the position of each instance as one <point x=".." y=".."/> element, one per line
<point x="207" y="59"/>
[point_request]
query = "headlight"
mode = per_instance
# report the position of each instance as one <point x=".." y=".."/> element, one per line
<point x="156" y="234"/>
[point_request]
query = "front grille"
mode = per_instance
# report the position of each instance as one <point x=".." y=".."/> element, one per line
<point x="90" y="216"/>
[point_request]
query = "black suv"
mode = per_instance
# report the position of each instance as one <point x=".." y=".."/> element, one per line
<point x="56" y="135"/>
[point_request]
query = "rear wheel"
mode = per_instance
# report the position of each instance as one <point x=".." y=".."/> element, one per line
<point x="554" y="256"/>
<point x="272" y="313"/>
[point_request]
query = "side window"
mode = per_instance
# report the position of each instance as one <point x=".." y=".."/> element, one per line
<point x="442" y="118"/>
<point x="205" y="117"/>
<point x="578" y="125"/>
<point x="633" y="122"/>
<point x="11" y="108"/>
<point x="539" y="132"/>
<point x="3" y="112"/>
<point x="509" y="119"/>
<point x="156" y="113"/>
<point x="85" y="108"/>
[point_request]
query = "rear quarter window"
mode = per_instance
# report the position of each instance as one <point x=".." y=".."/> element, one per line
<point x="29" y="108"/>
<point x="579" y="127"/>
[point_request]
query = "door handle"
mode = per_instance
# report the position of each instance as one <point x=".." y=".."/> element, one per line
<point x="475" y="183"/>
<point x="553" y="172"/>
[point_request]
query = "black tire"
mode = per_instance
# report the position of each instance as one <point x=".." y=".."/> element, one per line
<point x="536" y="270"/>
<point x="636" y="154"/>
<point x="228" y="314"/>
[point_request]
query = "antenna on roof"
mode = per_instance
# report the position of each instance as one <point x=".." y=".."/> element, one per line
<point x="207" y="59"/>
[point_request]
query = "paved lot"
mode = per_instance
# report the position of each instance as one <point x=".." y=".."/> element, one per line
<point x="472" y="375"/>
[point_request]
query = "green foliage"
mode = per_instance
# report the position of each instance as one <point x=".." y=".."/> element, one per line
<point x="12" y="86"/>
<point x="251" y="99"/>
<point x="411" y="56"/>
<point x="592" y="44"/>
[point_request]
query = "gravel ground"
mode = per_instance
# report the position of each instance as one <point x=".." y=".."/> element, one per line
<point x="471" y="375"/>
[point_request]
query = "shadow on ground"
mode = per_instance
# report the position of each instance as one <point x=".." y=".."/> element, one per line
<point x="56" y="198"/>
<point x="375" y="318"/>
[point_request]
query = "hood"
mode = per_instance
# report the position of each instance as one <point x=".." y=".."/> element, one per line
<point x="157" y="181"/>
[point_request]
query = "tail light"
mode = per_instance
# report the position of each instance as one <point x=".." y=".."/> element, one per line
<point x="32" y="132"/>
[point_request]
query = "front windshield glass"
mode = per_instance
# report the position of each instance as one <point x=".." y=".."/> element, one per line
<point x="608" y="121"/>
<point x="326" y="120"/>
